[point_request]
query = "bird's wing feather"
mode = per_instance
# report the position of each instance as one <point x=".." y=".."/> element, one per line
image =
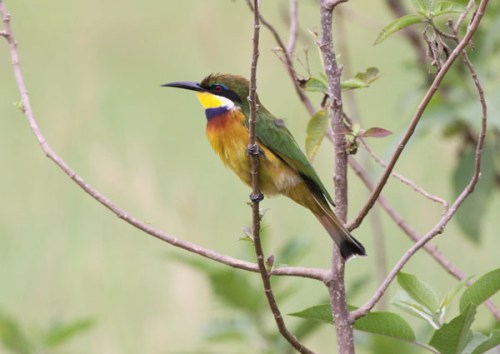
<point x="272" y="132"/>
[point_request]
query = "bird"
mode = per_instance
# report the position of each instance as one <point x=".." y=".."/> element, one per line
<point x="283" y="167"/>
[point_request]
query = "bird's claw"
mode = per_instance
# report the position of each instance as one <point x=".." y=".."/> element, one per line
<point x="255" y="198"/>
<point x="254" y="150"/>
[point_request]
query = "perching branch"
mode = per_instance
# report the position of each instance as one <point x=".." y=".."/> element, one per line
<point x="420" y="110"/>
<point x="256" y="195"/>
<point x="7" y="33"/>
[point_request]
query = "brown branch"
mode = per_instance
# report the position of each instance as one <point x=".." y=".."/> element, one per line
<point x="336" y="284"/>
<point x="289" y="64"/>
<point x="431" y="249"/>
<point x="404" y="179"/>
<point x="469" y="188"/>
<point x="293" y="28"/>
<point x="256" y="195"/>
<point x="313" y="273"/>
<point x="419" y="112"/>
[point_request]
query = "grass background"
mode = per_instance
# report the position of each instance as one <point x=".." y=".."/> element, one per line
<point x="93" y="70"/>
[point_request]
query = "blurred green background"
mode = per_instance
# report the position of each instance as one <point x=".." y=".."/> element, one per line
<point x="93" y="69"/>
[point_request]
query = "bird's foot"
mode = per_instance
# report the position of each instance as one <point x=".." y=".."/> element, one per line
<point x="255" y="198"/>
<point x="254" y="150"/>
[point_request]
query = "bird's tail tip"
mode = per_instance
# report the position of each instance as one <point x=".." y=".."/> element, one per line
<point x="350" y="247"/>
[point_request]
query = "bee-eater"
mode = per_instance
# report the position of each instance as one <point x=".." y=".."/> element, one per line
<point x="283" y="167"/>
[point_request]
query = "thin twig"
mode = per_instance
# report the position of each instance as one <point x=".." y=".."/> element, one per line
<point x="289" y="64"/>
<point x="419" y="112"/>
<point x="404" y="179"/>
<point x="431" y="249"/>
<point x="336" y="285"/>
<point x="256" y="195"/>
<point x="313" y="273"/>
<point x="293" y="28"/>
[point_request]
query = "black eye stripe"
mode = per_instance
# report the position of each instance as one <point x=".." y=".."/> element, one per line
<point x="224" y="91"/>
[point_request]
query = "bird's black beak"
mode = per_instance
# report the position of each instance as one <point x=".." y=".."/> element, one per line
<point x="193" y="86"/>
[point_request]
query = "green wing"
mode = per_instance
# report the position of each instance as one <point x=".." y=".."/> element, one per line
<point x="273" y="133"/>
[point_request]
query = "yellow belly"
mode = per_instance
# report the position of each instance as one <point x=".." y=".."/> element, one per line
<point x="229" y="138"/>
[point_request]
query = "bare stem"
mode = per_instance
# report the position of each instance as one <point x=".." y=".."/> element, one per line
<point x="420" y="110"/>
<point x="336" y="284"/>
<point x="469" y="188"/>
<point x="289" y="64"/>
<point x="432" y="250"/>
<point x="256" y="195"/>
<point x="293" y="28"/>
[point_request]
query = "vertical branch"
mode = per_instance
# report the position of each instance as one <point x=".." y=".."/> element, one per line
<point x="336" y="283"/>
<point x="256" y="196"/>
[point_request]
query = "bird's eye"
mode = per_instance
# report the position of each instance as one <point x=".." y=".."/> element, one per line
<point x="218" y="88"/>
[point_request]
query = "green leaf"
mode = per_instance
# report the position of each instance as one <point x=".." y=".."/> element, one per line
<point x="423" y="7"/>
<point x="419" y="290"/>
<point x="397" y="25"/>
<point x="491" y="342"/>
<point x="452" y="337"/>
<point x="362" y="79"/>
<point x="450" y="295"/>
<point x="481" y="290"/>
<point x="12" y="337"/>
<point x="446" y="7"/>
<point x="314" y="85"/>
<point x="476" y="339"/>
<point x="406" y="303"/>
<point x="385" y="323"/>
<point x="315" y="132"/>
<point x="382" y="323"/>
<point x="320" y="313"/>
<point x="471" y="213"/>
<point x="62" y="333"/>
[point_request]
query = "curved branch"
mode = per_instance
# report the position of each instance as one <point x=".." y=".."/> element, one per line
<point x="420" y="110"/>
<point x="318" y="274"/>
<point x="469" y="188"/>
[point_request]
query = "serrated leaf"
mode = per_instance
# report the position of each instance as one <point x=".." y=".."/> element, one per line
<point x="446" y="7"/>
<point x="471" y="213"/>
<point x="419" y="290"/>
<point x="362" y="79"/>
<point x="62" y="333"/>
<point x="315" y="132"/>
<point x="398" y="25"/>
<point x="387" y="324"/>
<point x="320" y="313"/>
<point x="315" y="85"/>
<point x="12" y="337"/>
<point x="375" y="132"/>
<point x="481" y="290"/>
<point x="491" y="342"/>
<point x="452" y="337"/>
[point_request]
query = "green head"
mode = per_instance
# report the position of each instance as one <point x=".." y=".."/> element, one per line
<point x="218" y="91"/>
